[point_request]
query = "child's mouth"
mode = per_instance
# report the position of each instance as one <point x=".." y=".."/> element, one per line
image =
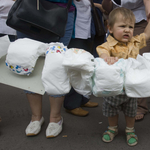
<point x="126" y="36"/>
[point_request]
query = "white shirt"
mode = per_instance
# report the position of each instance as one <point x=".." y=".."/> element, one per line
<point x="5" y="6"/>
<point x="137" y="7"/>
<point x="83" y="19"/>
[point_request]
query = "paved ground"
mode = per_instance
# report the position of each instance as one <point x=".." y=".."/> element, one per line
<point x="79" y="133"/>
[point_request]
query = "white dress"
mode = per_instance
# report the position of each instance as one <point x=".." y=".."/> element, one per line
<point x="83" y="19"/>
<point x="137" y="7"/>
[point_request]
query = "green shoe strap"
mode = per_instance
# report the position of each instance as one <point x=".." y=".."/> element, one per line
<point x="113" y="129"/>
<point x="107" y="135"/>
<point x="132" y="139"/>
<point x="110" y="133"/>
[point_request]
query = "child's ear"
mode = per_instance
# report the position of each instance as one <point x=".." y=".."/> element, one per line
<point x="110" y="29"/>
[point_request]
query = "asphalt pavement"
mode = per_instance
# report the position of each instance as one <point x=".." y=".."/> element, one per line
<point x="79" y="133"/>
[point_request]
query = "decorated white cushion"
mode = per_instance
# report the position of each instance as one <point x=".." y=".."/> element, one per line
<point x="137" y="77"/>
<point x="22" y="55"/>
<point x="54" y="75"/>
<point x="4" y="44"/>
<point x="108" y="80"/>
<point x="80" y="65"/>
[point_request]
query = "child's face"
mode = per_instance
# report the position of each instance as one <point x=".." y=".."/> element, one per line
<point x="122" y="30"/>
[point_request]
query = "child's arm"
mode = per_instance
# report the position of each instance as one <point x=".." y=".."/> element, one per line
<point x="108" y="59"/>
<point x="104" y="53"/>
<point x="147" y="31"/>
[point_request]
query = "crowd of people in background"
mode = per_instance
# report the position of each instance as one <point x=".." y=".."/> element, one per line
<point x="127" y="16"/>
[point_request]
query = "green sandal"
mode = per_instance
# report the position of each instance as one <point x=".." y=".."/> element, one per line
<point x="109" y="135"/>
<point x="132" y="139"/>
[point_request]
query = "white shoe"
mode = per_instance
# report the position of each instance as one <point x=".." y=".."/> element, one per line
<point x="34" y="127"/>
<point x="54" y="129"/>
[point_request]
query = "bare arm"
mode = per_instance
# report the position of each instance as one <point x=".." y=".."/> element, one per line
<point x="147" y="8"/>
<point x="100" y="7"/>
<point x="107" y="5"/>
<point x="147" y="31"/>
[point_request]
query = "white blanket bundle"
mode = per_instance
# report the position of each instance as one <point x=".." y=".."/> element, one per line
<point x="137" y="76"/>
<point x="108" y="80"/>
<point x="4" y="44"/>
<point x="22" y="55"/>
<point x="74" y="67"/>
<point x="54" y="75"/>
<point x="80" y="66"/>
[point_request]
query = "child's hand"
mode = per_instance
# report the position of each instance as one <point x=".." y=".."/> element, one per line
<point x="111" y="60"/>
<point x="108" y="59"/>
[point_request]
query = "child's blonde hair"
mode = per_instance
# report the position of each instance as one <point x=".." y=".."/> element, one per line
<point x="126" y="13"/>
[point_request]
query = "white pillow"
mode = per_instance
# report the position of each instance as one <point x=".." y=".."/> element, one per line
<point x="80" y="65"/>
<point x="22" y="55"/>
<point x="4" y="44"/>
<point x="108" y="80"/>
<point x="54" y="75"/>
<point x="137" y="77"/>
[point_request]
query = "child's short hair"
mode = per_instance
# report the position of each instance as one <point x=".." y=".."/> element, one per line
<point x="126" y="13"/>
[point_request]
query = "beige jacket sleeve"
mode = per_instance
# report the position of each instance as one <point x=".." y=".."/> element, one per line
<point x="103" y="49"/>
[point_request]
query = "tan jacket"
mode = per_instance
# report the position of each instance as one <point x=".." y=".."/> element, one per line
<point x="113" y="48"/>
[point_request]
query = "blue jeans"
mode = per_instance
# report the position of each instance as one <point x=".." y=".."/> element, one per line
<point x="69" y="29"/>
<point x="65" y="39"/>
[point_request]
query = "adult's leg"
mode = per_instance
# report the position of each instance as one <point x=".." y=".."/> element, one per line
<point x="65" y="40"/>
<point x="35" y="101"/>
<point x="142" y="108"/>
<point x="73" y="100"/>
<point x="55" y="108"/>
<point x="56" y="120"/>
<point x="72" y="103"/>
<point x="55" y="126"/>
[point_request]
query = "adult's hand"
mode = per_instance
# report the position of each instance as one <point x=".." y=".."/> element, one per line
<point x="147" y="9"/>
<point x="107" y="5"/>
